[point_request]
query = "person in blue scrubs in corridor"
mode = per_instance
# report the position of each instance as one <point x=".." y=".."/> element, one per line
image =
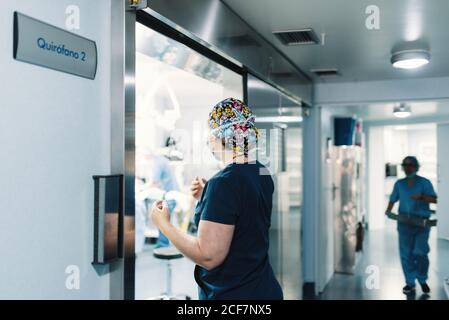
<point x="233" y="214"/>
<point x="414" y="194"/>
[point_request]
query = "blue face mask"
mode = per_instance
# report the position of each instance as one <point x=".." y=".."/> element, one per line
<point x="411" y="175"/>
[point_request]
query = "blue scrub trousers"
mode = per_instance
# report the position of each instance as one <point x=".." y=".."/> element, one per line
<point x="414" y="250"/>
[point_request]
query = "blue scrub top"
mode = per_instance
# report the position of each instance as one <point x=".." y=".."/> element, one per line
<point x="162" y="174"/>
<point x="240" y="195"/>
<point x="403" y="193"/>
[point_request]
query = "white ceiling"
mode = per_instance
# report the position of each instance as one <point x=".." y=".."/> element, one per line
<point x="359" y="54"/>
<point x="426" y="111"/>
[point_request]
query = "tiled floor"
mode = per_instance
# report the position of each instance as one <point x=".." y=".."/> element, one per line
<point x="381" y="250"/>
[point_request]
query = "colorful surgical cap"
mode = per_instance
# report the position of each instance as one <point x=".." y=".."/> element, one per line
<point x="234" y="122"/>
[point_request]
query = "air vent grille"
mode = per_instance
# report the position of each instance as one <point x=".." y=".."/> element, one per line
<point x="325" y="72"/>
<point x="297" y="37"/>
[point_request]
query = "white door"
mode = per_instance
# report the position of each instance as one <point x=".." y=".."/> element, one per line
<point x="443" y="181"/>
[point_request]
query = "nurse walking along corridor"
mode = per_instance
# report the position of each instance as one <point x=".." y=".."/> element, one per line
<point x="414" y="194"/>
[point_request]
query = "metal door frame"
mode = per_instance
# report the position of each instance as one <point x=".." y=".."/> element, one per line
<point x="132" y="17"/>
<point x="130" y="138"/>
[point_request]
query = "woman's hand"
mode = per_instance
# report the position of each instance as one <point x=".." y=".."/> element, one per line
<point x="160" y="213"/>
<point x="417" y="196"/>
<point x="197" y="187"/>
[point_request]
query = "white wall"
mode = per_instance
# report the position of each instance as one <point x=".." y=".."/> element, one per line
<point x="443" y="181"/>
<point x="326" y="214"/>
<point x="423" y="143"/>
<point x="347" y="93"/>
<point x="55" y="134"/>
<point x="376" y="178"/>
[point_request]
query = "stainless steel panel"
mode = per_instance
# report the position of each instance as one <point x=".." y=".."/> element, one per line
<point x="116" y="286"/>
<point x="129" y="205"/>
<point x="216" y="25"/>
<point x="345" y="208"/>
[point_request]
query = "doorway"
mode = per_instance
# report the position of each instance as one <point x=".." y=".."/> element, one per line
<point x="388" y="140"/>
<point x="175" y="89"/>
<point x="388" y="146"/>
<point x="177" y="82"/>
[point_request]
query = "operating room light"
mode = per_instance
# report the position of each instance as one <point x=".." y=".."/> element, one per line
<point x="411" y="59"/>
<point x="402" y="111"/>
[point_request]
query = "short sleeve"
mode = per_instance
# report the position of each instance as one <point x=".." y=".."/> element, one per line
<point x="219" y="203"/>
<point x="394" y="196"/>
<point x="428" y="189"/>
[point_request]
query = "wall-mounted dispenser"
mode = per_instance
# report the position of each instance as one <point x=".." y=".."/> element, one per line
<point x="108" y="219"/>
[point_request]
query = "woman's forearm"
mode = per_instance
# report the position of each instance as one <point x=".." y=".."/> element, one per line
<point x="429" y="199"/>
<point x="390" y="206"/>
<point x="187" y="244"/>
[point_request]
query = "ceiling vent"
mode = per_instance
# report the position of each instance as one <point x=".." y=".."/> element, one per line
<point x="297" y="37"/>
<point x="325" y="72"/>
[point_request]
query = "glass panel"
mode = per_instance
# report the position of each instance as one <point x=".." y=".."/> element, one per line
<point x="279" y="119"/>
<point x="291" y="235"/>
<point x="175" y="90"/>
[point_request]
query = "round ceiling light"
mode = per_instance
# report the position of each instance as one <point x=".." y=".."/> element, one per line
<point x="410" y="59"/>
<point x="402" y="111"/>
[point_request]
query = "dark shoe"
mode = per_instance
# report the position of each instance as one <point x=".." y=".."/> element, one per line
<point x="408" y="289"/>
<point x="424" y="287"/>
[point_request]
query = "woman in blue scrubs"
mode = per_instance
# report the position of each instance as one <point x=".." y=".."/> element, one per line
<point x="233" y="214"/>
<point x="414" y="194"/>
